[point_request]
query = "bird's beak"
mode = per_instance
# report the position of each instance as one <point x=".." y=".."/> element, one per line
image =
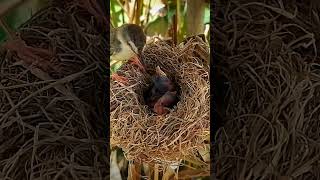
<point x="160" y="72"/>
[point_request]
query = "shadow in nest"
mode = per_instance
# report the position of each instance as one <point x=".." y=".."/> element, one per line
<point x="161" y="93"/>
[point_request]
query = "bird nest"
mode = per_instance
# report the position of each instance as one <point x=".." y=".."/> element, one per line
<point x="51" y="124"/>
<point x="145" y="136"/>
<point x="270" y="128"/>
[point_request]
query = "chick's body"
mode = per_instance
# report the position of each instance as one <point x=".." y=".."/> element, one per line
<point x="163" y="93"/>
<point x="165" y="102"/>
<point x="162" y="84"/>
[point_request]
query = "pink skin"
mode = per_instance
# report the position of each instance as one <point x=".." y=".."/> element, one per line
<point x="167" y="99"/>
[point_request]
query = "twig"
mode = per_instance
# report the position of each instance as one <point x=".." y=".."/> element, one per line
<point x="148" y="12"/>
<point x="174" y="29"/>
<point x="58" y="82"/>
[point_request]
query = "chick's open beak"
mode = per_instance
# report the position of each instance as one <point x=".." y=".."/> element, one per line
<point x="160" y="72"/>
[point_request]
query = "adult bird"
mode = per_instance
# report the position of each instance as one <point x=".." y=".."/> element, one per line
<point x="126" y="44"/>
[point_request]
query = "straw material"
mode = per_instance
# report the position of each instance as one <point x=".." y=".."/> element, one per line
<point x="269" y="54"/>
<point x="147" y="137"/>
<point x="51" y="95"/>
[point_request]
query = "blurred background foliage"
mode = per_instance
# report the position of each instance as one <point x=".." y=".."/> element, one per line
<point x="13" y="13"/>
<point x="156" y="16"/>
<point x="160" y="18"/>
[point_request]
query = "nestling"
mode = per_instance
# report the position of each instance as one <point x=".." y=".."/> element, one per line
<point x="126" y="44"/>
<point x="163" y="94"/>
<point x="161" y="82"/>
<point x="165" y="102"/>
<point x="160" y="85"/>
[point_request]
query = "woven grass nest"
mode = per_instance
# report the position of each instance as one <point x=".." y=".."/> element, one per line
<point x="271" y="125"/>
<point x="51" y="124"/>
<point x="147" y="137"/>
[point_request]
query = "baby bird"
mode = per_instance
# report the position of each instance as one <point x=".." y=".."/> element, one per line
<point x="166" y="101"/>
<point x="160" y="85"/>
<point x="126" y="44"/>
<point x="161" y="82"/>
<point x="163" y="93"/>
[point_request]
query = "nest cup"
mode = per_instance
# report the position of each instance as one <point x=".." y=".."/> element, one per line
<point x="147" y="137"/>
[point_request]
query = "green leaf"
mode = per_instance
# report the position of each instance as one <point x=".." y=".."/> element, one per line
<point x="115" y="67"/>
<point x="207" y="15"/>
<point x="115" y="6"/>
<point x="159" y="26"/>
<point x="2" y="35"/>
<point x="117" y="14"/>
<point x="20" y="15"/>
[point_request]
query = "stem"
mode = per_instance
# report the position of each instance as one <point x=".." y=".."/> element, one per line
<point x="148" y="12"/>
<point x="195" y="17"/>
